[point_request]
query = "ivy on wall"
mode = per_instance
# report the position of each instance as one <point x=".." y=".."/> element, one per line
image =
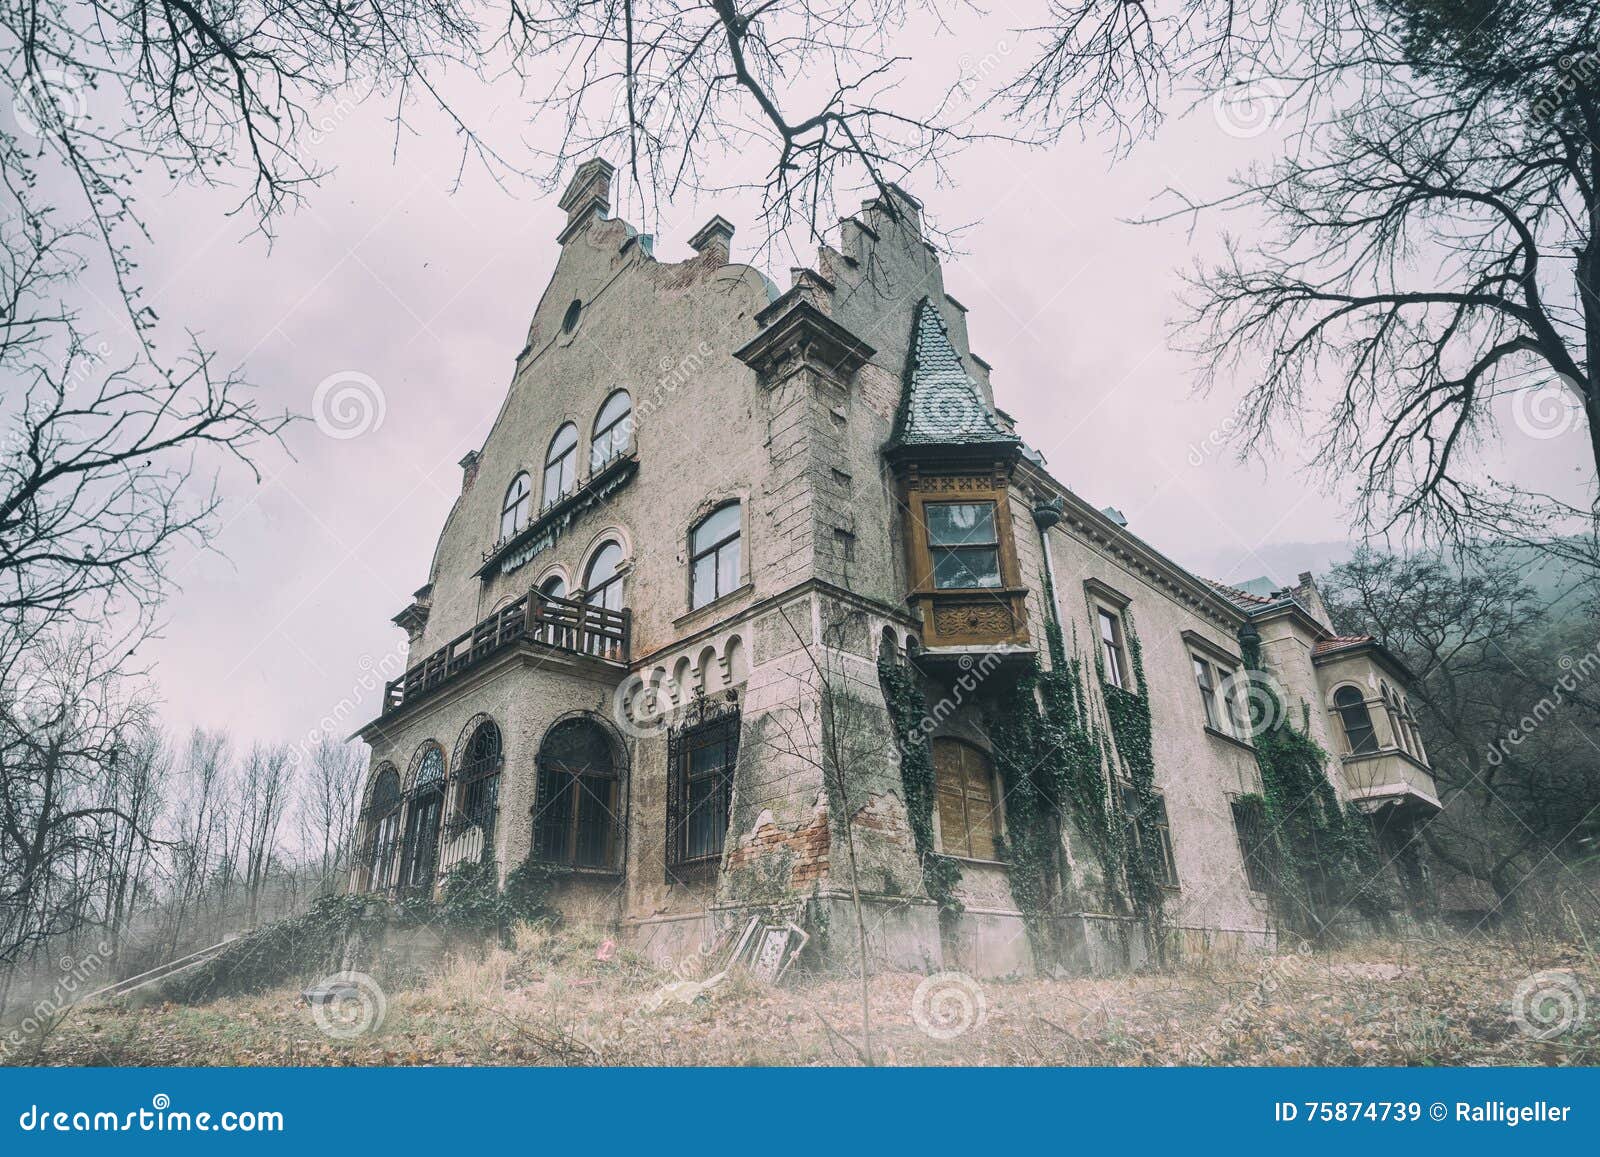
<point x="908" y="708"/>
<point x="1055" y="764"/>
<point x="1131" y="731"/>
<point x="1320" y="856"/>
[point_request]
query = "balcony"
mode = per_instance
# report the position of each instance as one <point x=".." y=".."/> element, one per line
<point x="538" y="619"/>
<point x="1389" y="776"/>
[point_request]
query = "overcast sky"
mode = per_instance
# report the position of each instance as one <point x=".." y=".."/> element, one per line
<point x="386" y="272"/>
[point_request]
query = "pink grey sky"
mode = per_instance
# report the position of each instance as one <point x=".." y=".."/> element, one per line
<point x="387" y="272"/>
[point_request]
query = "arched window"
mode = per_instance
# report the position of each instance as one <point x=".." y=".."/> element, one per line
<point x="478" y="793"/>
<point x="613" y="430"/>
<point x="1358" y="732"/>
<point x="554" y="587"/>
<point x="575" y="815"/>
<point x="421" y="855"/>
<point x="383" y="830"/>
<point x="714" y="556"/>
<point x="561" y="464"/>
<point x="602" y="582"/>
<point x="518" y="505"/>
<point x="969" y="821"/>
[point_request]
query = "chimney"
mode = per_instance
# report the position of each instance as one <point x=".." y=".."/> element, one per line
<point x="899" y="205"/>
<point x="588" y="191"/>
<point x="713" y="239"/>
<point x="469" y="469"/>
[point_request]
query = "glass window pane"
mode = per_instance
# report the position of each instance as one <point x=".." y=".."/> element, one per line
<point x="728" y="568"/>
<point x="566" y="438"/>
<point x="603" y="568"/>
<point x="966" y="567"/>
<point x="715" y="528"/>
<point x="960" y="523"/>
<point x="703" y="584"/>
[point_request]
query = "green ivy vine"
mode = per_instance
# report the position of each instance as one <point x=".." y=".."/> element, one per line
<point x="1321" y="857"/>
<point x="908" y="707"/>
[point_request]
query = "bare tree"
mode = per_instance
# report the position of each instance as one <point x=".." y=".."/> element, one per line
<point x="331" y="775"/>
<point x="1431" y="247"/>
<point x="64" y="721"/>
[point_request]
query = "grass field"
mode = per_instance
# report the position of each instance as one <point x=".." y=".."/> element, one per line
<point x="549" y="1001"/>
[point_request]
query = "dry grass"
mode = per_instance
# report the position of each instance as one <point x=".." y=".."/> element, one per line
<point x="549" y="1001"/>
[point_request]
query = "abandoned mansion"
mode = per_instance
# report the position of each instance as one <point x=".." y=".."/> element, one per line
<point x="754" y="601"/>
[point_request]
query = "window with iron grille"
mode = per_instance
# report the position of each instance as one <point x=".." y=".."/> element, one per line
<point x="700" y="760"/>
<point x="478" y="786"/>
<point x="1250" y="822"/>
<point x="382" y="823"/>
<point x="419" y="853"/>
<point x="575" y="819"/>
<point x="1151" y="822"/>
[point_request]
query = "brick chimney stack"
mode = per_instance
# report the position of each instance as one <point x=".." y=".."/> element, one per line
<point x="588" y="194"/>
<point x="713" y="239"/>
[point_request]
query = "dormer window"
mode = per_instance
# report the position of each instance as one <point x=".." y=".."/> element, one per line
<point x="561" y="464"/>
<point x="964" y="545"/>
<point x="517" y="507"/>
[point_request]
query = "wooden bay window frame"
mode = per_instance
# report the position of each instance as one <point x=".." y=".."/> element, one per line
<point x="963" y="616"/>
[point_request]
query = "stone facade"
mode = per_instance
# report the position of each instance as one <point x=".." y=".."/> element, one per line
<point x="700" y="731"/>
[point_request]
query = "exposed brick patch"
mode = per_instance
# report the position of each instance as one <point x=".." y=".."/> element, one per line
<point x="807" y="848"/>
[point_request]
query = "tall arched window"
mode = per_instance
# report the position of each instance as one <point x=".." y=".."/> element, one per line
<point x="555" y="587"/>
<point x="518" y="505"/>
<point x="613" y="430"/>
<point x="602" y="582"/>
<point x="714" y="556"/>
<point x="575" y="815"/>
<point x="478" y="779"/>
<point x="561" y="464"/>
<point x="426" y="809"/>
<point x="969" y="823"/>
<point x="1357" y="720"/>
<point x="383" y="830"/>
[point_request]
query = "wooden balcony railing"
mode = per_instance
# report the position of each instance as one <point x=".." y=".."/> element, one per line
<point x="561" y="624"/>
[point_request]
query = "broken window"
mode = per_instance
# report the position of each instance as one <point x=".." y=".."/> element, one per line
<point x="700" y="761"/>
<point x="969" y="817"/>
<point x="575" y="813"/>
<point x="1250" y="823"/>
<point x="1150" y="832"/>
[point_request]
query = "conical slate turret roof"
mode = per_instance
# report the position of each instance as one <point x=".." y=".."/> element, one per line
<point x="941" y="404"/>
